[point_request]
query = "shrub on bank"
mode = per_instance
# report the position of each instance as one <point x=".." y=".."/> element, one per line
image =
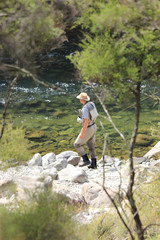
<point x="104" y="227"/>
<point x="47" y="218"/>
<point x="14" y="146"/>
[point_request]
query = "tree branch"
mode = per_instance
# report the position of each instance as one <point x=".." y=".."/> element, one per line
<point x="119" y="214"/>
<point x="150" y="225"/>
<point x="29" y="74"/>
<point x="108" y="115"/>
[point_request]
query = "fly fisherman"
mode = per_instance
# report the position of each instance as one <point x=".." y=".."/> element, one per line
<point x="87" y="117"/>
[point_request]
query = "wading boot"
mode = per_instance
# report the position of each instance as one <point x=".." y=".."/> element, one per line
<point x="85" y="161"/>
<point x="93" y="163"/>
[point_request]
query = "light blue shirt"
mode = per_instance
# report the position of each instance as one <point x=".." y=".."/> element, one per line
<point x="86" y="108"/>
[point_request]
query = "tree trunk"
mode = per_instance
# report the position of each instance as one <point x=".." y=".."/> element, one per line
<point x="7" y="101"/>
<point x="136" y="216"/>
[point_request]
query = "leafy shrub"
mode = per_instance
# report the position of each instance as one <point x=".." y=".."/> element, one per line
<point x="107" y="226"/>
<point x="14" y="145"/>
<point x="48" y="218"/>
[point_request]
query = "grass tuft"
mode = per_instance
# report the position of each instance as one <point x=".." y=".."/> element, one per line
<point x="47" y="218"/>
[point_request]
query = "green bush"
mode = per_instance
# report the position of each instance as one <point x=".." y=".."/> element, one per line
<point x="14" y="145"/>
<point x="48" y="218"/>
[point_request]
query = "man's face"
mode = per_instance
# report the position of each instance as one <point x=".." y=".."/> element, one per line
<point x="82" y="101"/>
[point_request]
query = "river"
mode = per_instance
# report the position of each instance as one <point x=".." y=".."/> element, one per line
<point x="49" y="116"/>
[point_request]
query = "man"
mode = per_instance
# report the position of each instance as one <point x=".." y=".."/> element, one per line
<point x="88" y="131"/>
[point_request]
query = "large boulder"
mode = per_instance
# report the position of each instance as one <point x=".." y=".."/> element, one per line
<point x="21" y="171"/>
<point x="95" y="196"/>
<point x="66" y="157"/>
<point x="48" y="159"/>
<point x="74" y="160"/>
<point x="52" y="172"/>
<point x="69" y="189"/>
<point x="60" y="163"/>
<point x="30" y="182"/>
<point x="36" y="160"/>
<point x="66" y="154"/>
<point x="73" y="174"/>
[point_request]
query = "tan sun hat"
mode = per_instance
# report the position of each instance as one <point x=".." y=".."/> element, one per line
<point x="83" y="96"/>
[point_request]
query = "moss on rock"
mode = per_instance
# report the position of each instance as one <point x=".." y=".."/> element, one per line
<point x="144" y="140"/>
<point x="36" y="135"/>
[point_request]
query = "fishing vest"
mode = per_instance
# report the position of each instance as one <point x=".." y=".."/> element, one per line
<point x="93" y="114"/>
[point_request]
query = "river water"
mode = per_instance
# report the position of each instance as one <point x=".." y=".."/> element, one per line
<point x="49" y="116"/>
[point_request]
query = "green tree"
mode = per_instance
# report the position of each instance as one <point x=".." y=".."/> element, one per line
<point x="121" y="52"/>
<point x="28" y="30"/>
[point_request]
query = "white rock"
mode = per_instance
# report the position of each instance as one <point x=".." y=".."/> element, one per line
<point x="4" y="201"/>
<point x="48" y="181"/>
<point x="21" y="171"/>
<point x="112" y="169"/>
<point x="70" y="189"/>
<point x="108" y="160"/>
<point x="66" y="154"/>
<point x="50" y="172"/>
<point x="60" y="163"/>
<point x="95" y="196"/>
<point x="49" y="166"/>
<point x="73" y="174"/>
<point x="36" y="160"/>
<point x="73" y="160"/>
<point x="118" y="164"/>
<point x="157" y="163"/>
<point x="48" y="159"/>
<point x="29" y="182"/>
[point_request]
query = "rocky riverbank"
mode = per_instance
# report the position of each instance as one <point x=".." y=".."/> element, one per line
<point x="80" y="185"/>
